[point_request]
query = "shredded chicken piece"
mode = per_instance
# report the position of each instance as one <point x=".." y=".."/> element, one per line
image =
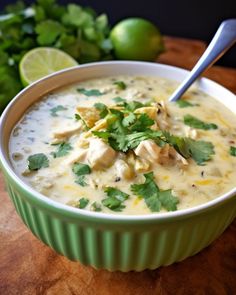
<point x="179" y="158"/>
<point x="148" y="150"/>
<point x="151" y="152"/>
<point x="100" y="155"/>
<point x="123" y="169"/>
<point x="142" y="165"/>
<point x="190" y="132"/>
<point x="133" y="93"/>
<point x="75" y="156"/>
<point x="162" y="118"/>
<point x="63" y="134"/>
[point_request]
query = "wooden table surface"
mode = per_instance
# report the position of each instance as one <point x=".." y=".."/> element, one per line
<point x="28" y="267"/>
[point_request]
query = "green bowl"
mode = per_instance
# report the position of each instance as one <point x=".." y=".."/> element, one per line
<point x="114" y="242"/>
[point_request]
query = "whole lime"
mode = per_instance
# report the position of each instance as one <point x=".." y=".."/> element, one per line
<point x="136" y="39"/>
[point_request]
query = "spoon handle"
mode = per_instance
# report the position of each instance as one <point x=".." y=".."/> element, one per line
<point x="224" y="38"/>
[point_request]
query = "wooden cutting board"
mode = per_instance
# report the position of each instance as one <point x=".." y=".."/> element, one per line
<point x="28" y="267"/>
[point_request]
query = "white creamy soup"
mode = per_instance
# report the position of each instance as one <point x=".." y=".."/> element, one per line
<point x="117" y="145"/>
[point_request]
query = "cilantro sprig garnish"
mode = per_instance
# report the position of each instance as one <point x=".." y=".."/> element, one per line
<point x="120" y="84"/>
<point x="127" y="129"/>
<point x="201" y="151"/>
<point x="133" y="105"/>
<point x="185" y="104"/>
<point x="118" y="99"/>
<point x="102" y="108"/>
<point x="198" y="124"/>
<point x="54" y="111"/>
<point x="232" y="151"/>
<point x="155" y="198"/>
<point x="37" y="161"/>
<point x="81" y="170"/>
<point x="63" y="149"/>
<point x="90" y="92"/>
<point x="115" y="199"/>
<point x="82" y="203"/>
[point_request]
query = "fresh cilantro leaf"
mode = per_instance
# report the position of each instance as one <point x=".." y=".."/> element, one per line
<point x="37" y="161"/>
<point x="95" y="206"/>
<point x="69" y="44"/>
<point x="198" y="124"/>
<point x="51" y="9"/>
<point x="232" y="151"/>
<point x="115" y="122"/>
<point x="91" y="92"/>
<point x="128" y="120"/>
<point x="115" y="199"/>
<point x="83" y="202"/>
<point x="57" y="109"/>
<point x="102" y="23"/>
<point x="118" y="99"/>
<point x="155" y="198"/>
<point x="77" y="16"/>
<point x="81" y="169"/>
<point x="63" y="150"/>
<point x="142" y="123"/>
<point x="81" y="180"/>
<point x="168" y="200"/>
<point x="184" y="103"/>
<point x="178" y="143"/>
<point x="9" y="81"/>
<point x="201" y="151"/>
<point x="102" y="108"/>
<point x="102" y="134"/>
<point x="48" y="31"/>
<point x="89" y="51"/>
<point x="133" y="105"/>
<point x="77" y="117"/>
<point x="120" y="84"/>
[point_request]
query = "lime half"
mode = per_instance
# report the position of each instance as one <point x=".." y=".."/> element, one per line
<point x="42" y="61"/>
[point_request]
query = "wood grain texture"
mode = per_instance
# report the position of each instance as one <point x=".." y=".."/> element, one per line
<point x="28" y="267"/>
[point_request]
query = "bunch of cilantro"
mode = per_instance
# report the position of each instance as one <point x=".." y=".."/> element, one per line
<point x="71" y="28"/>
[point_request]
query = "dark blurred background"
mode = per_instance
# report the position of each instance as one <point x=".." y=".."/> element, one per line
<point x="196" y="19"/>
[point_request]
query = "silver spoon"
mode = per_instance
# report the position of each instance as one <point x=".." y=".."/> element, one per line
<point x="224" y="38"/>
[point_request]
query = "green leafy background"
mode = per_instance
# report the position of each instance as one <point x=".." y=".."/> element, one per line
<point x="77" y="30"/>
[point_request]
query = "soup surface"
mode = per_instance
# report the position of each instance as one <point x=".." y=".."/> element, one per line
<point x="117" y="145"/>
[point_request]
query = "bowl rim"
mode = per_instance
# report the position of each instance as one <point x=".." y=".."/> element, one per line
<point x="76" y="212"/>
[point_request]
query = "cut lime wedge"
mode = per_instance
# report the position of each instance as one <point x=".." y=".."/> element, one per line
<point x="42" y="61"/>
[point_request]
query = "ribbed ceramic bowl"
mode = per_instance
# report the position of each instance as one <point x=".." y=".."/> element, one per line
<point x="104" y="240"/>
